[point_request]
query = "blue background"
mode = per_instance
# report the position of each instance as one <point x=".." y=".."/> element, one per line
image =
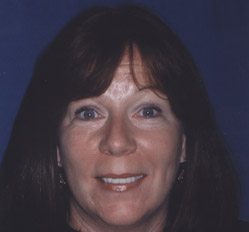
<point x="215" y="31"/>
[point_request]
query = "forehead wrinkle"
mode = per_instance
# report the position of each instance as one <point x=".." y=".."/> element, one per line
<point x="122" y="85"/>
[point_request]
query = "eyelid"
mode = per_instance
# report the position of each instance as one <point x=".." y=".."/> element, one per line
<point x="82" y="108"/>
<point x="88" y="107"/>
<point x="149" y="105"/>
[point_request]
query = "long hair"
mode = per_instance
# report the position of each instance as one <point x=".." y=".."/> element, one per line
<point x="80" y="63"/>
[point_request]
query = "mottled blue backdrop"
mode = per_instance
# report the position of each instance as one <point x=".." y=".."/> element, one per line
<point x="215" y="31"/>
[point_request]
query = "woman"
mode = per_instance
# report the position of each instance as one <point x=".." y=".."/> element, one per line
<point x="115" y="133"/>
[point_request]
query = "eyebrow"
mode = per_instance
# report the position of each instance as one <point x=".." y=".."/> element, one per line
<point x="156" y="90"/>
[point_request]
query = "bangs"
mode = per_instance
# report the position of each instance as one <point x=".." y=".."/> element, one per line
<point x="97" y="45"/>
<point x="92" y="78"/>
<point x="88" y="51"/>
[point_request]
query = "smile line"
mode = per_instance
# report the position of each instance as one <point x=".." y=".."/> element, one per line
<point x="127" y="180"/>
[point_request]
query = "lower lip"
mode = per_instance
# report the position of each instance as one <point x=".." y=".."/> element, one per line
<point x="121" y="187"/>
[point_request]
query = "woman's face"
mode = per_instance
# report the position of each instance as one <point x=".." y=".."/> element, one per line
<point x="120" y="152"/>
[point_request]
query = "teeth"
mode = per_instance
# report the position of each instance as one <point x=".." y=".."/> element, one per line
<point x="127" y="180"/>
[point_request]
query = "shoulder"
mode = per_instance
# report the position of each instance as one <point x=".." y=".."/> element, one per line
<point x="243" y="226"/>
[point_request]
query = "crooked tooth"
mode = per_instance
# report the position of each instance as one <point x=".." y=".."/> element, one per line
<point x="127" y="180"/>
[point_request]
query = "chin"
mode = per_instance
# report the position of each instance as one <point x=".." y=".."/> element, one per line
<point x="120" y="215"/>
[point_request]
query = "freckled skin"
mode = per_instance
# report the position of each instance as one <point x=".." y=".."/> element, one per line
<point x="120" y="139"/>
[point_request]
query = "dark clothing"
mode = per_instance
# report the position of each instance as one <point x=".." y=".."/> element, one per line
<point x="242" y="226"/>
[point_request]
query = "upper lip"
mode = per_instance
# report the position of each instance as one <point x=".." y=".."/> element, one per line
<point x="123" y="175"/>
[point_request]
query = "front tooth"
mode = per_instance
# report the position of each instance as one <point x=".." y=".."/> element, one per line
<point x="121" y="180"/>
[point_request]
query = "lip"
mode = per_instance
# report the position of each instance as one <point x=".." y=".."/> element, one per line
<point x="120" y="182"/>
<point x="123" y="175"/>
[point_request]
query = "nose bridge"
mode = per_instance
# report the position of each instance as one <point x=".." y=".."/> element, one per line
<point x="118" y="138"/>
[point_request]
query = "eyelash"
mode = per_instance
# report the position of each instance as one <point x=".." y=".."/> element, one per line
<point x="146" y="111"/>
<point x="86" y="113"/>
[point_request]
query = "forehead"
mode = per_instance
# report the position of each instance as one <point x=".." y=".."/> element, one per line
<point x="131" y="68"/>
<point x="126" y="58"/>
<point x="126" y="78"/>
<point x="130" y="76"/>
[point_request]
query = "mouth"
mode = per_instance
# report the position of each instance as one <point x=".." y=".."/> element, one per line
<point x="121" y="183"/>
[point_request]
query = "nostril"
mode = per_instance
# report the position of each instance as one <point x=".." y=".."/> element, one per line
<point x="117" y="140"/>
<point x="117" y="148"/>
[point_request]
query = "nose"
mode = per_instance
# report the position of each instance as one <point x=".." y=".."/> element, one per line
<point x="118" y="138"/>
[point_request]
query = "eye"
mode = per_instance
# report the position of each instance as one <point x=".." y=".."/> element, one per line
<point x="150" y="112"/>
<point x="86" y="114"/>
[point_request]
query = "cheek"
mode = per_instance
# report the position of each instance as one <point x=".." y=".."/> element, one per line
<point x="78" y="163"/>
<point x="76" y="158"/>
<point x="163" y="145"/>
<point x="163" y="153"/>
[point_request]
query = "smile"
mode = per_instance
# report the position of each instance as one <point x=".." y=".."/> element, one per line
<point x="121" y="183"/>
<point x="127" y="180"/>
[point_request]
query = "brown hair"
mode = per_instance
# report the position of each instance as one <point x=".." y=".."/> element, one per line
<point x="80" y="63"/>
